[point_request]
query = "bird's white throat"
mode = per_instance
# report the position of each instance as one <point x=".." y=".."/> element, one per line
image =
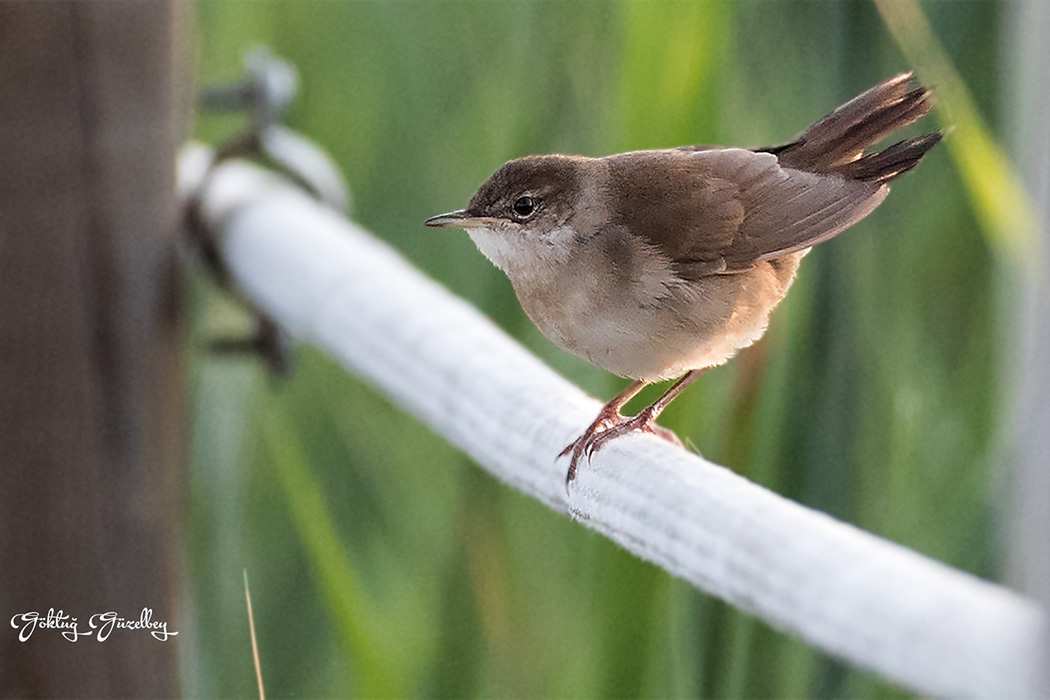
<point x="521" y="253"/>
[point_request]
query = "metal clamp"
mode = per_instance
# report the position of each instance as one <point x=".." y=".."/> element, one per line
<point x="265" y="92"/>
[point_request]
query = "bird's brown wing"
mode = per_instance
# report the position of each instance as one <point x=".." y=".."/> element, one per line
<point x="724" y="210"/>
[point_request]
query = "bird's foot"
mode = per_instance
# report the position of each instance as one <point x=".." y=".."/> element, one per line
<point x="609" y="425"/>
<point x="607" y="418"/>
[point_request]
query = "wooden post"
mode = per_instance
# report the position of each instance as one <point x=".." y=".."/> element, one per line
<point x="91" y="456"/>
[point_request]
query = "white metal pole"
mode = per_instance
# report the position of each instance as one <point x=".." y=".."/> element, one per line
<point x="866" y="600"/>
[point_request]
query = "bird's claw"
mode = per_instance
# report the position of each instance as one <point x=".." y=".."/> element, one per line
<point x="607" y="427"/>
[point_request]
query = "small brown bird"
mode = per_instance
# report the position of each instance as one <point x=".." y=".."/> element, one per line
<point x="660" y="264"/>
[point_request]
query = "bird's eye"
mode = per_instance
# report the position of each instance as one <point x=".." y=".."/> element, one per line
<point x="524" y="206"/>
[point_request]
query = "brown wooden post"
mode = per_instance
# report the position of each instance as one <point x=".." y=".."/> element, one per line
<point x="91" y="455"/>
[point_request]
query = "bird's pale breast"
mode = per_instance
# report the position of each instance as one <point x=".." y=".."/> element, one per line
<point x="649" y="323"/>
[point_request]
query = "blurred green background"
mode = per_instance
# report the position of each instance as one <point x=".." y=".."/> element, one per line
<point x="384" y="563"/>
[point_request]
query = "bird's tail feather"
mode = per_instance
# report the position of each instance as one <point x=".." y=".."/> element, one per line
<point x="836" y="143"/>
<point x="893" y="161"/>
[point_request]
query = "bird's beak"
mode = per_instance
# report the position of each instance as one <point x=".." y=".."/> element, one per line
<point x="457" y="219"/>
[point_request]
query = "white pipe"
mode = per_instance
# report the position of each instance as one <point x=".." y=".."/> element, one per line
<point x="874" y="603"/>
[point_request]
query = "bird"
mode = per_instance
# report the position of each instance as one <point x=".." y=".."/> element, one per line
<point x="660" y="264"/>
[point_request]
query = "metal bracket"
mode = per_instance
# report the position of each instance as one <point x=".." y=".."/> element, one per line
<point x="265" y="92"/>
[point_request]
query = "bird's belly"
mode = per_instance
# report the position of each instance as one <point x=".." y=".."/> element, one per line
<point x="652" y="346"/>
<point x="693" y="325"/>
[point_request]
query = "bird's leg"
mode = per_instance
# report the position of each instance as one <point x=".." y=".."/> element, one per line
<point x="594" y="439"/>
<point x="608" y="417"/>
